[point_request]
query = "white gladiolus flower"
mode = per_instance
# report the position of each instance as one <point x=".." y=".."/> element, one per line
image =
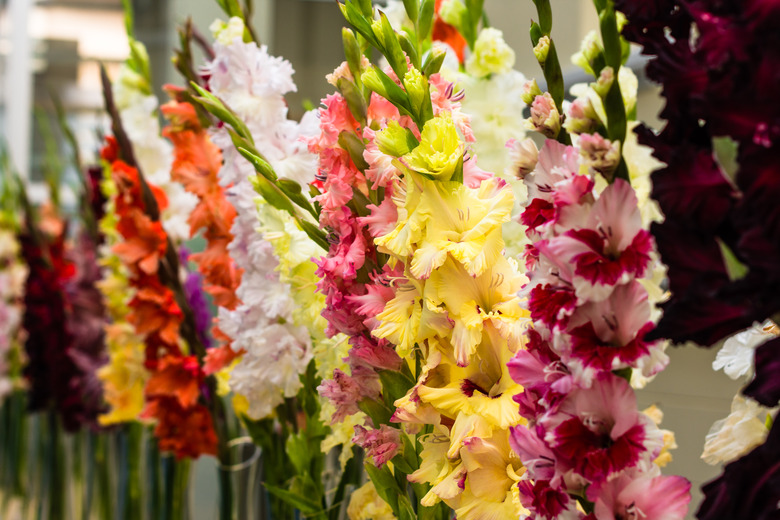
<point x="744" y="429"/>
<point x="736" y="355"/>
<point x="491" y="54"/>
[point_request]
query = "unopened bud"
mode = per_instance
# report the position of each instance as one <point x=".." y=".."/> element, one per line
<point x="545" y="117"/>
<point x="523" y="157"/>
<point x="415" y="84"/>
<point x="581" y="117"/>
<point x="542" y="49"/>
<point x="589" y="51"/>
<point x="530" y="91"/>
<point x="604" y="83"/>
<point x="452" y="12"/>
<point x="599" y="154"/>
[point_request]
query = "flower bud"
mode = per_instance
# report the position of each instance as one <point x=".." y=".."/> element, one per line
<point x="545" y="117"/>
<point x="600" y="154"/>
<point x="604" y="83"/>
<point x="530" y="91"/>
<point x="542" y="49"/>
<point x="226" y="33"/>
<point x="415" y="84"/>
<point x="371" y="80"/>
<point x="452" y="12"/>
<point x="523" y="157"/>
<point x="589" y="51"/>
<point x="395" y="140"/>
<point x="581" y="117"/>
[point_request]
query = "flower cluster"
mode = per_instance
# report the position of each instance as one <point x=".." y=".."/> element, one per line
<point x="196" y="164"/>
<point x="87" y="321"/>
<point x="184" y="426"/>
<point x="415" y="270"/>
<point x="719" y="238"/>
<point x="591" y="314"/>
<point x="13" y="273"/>
<point x="277" y="347"/>
<point x="124" y="376"/>
<point x="139" y="111"/>
<point x="49" y="342"/>
<point x="747" y="425"/>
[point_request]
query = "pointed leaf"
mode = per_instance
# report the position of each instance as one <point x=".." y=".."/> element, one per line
<point x="395" y="56"/>
<point x="425" y="23"/>
<point x="305" y="504"/>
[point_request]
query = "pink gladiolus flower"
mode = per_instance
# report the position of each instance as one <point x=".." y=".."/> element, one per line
<point x="381" y="444"/>
<point x="598" y="432"/>
<point x="651" y="498"/>
<point x="345" y="392"/>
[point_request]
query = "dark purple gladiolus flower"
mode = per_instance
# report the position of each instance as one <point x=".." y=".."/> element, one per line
<point x="719" y="65"/>
<point x="49" y="368"/>
<point x="193" y="288"/>
<point x="749" y="487"/>
<point x="765" y="387"/>
<point x="86" y="323"/>
<point x="720" y="80"/>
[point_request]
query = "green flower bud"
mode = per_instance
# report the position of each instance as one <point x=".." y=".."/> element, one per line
<point x="415" y="84"/>
<point x="395" y="140"/>
<point x="542" y="49"/>
<point x="604" y="83"/>
<point x="530" y="91"/>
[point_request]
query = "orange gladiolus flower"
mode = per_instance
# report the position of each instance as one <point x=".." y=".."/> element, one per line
<point x="196" y="166"/>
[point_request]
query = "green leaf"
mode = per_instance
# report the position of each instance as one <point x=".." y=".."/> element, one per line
<point x="536" y="33"/>
<point x="351" y="51"/>
<point x="357" y="20"/>
<point x="367" y="8"/>
<point x="412" y="8"/>
<point x="425" y="23"/>
<point x="613" y="49"/>
<point x="293" y="191"/>
<point x="394" y="384"/>
<point x="221" y="111"/>
<point x="405" y="510"/>
<point x="544" y="10"/>
<point x="395" y="56"/>
<point x="391" y="91"/>
<point x="355" y="100"/>
<point x="355" y="147"/>
<point x="432" y="61"/>
<point x="127" y="6"/>
<point x="378" y="412"/>
<point x="272" y="194"/>
<point x="315" y="233"/>
<point x="305" y="504"/>
<point x="735" y="269"/>
<point x="385" y="485"/>
<point x="458" y="175"/>
<point x="409" y="48"/>
<point x="261" y="165"/>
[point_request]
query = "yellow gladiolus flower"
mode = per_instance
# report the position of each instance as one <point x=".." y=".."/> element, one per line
<point x="439" y="152"/>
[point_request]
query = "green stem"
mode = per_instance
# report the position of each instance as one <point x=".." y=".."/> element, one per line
<point x="134" y="495"/>
<point x="614" y="106"/>
<point x="154" y="511"/>
<point x="89" y="484"/>
<point x="57" y="504"/>
<point x="104" y="471"/>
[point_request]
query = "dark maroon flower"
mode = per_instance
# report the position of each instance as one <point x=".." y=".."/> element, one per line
<point x="49" y="368"/>
<point x="765" y="387"/>
<point x="86" y="322"/>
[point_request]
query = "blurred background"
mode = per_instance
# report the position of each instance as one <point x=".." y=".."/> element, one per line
<point x="57" y="45"/>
